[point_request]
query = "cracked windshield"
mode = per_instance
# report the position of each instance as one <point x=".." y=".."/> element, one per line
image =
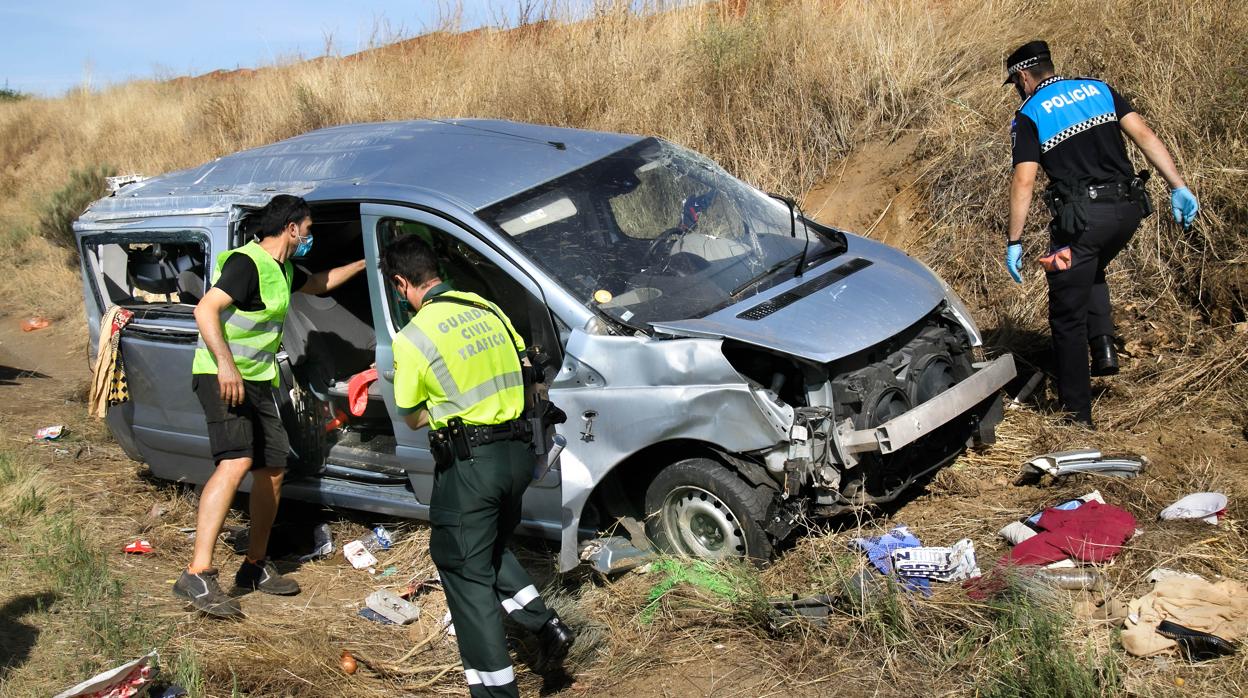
<point x="658" y="233"/>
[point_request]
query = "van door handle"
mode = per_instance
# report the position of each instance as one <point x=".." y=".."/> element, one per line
<point x="388" y="375"/>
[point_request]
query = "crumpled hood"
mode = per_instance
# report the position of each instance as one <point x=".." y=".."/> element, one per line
<point x="845" y="306"/>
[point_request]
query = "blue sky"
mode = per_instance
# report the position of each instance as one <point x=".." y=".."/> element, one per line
<point x="50" y="46"/>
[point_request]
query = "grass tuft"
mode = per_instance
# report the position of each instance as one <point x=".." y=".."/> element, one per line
<point x="56" y="219"/>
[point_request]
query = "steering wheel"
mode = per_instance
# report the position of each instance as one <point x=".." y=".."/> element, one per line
<point x="662" y="245"/>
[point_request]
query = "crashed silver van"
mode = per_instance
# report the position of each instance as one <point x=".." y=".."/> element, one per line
<point x="728" y="367"/>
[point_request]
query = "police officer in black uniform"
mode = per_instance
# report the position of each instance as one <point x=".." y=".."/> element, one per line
<point x="1072" y="127"/>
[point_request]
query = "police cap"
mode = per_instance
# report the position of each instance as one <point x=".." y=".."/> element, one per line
<point x="1024" y="57"/>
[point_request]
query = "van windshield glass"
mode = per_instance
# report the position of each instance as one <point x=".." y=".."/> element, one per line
<point x="657" y="233"/>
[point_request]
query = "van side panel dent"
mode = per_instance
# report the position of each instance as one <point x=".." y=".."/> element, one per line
<point x="651" y="391"/>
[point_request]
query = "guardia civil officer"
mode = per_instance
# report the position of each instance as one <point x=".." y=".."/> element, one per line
<point x="1072" y="127"/>
<point x="457" y="369"/>
<point x="234" y="372"/>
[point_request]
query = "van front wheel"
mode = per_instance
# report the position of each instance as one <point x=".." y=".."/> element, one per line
<point x="699" y="508"/>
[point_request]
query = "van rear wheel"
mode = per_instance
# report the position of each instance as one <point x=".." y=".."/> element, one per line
<point x="699" y="508"/>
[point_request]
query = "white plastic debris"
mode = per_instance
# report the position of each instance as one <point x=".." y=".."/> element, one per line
<point x="129" y="679"/>
<point x="358" y="555"/>
<point x="448" y="624"/>
<point x="388" y="605"/>
<point x="1206" y="506"/>
<point x="951" y="564"/>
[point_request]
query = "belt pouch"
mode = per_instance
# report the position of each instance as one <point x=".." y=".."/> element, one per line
<point x="459" y="438"/>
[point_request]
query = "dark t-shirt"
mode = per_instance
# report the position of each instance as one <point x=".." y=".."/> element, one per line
<point x="1071" y="127"/>
<point x="240" y="279"/>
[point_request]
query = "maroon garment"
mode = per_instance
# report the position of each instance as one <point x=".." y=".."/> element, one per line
<point x="1094" y="532"/>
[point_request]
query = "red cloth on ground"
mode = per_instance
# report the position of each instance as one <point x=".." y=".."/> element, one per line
<point x="357" y="391"/>
<point x="1094" y="532"/>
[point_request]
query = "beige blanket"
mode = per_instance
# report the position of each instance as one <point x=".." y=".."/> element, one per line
<point x="1220" y="608"/>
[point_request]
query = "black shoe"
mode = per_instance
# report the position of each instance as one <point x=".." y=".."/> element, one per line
<point x="205" y="594"/>
<point x="263" y="576"/>
<point x="1104" y="356"/>
<point x="556" y="639"/>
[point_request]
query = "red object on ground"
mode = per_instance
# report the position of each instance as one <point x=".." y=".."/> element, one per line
<point x="357" y="391"/>
<point x="139" y="547"/>
<point x="1094" y="532"/>
<point x="31" y="324"/>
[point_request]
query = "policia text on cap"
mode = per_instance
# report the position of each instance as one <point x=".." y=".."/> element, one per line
<point x="457" y="369"/>
<point x="1072" y="127"/>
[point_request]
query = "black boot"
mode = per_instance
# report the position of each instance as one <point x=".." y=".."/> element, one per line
<point x="1104" y="356"/>
<point x="556" y="639"/>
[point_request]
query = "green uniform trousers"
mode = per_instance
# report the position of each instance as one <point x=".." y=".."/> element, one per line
<point x="474" y="510"/>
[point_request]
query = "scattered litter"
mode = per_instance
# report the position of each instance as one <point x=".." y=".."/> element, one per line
<point x="347" y="662"/>
<point x="1068" y="505"/>
<point x="1074" y="580"/>
<point x="129" y="679"/>
<point x="377" y="539"/>
<point x="614" y="554"/>
<point x="418" y="588"/>
<point x="139" y="547"/>
<point x="1016" y="532"/>
<point x="1164" y="573"/>
<point x="1094" y="532"/>
<point x="324" y="542"/>
<point x="942" y="564"/>
<point x="813" y="609"/>
<point x="1209" y="507"/>
<point x="1064" y="463"/>
<point x="388" y="605"/>
<point x="36" y="322"/>
<point x="173" y="690"/>
<point x="389" y="572"/>
<point x="51" y="433"/>
<point x="359" y="556"/>
<point x="449" y="624"/>
<point x="1217" y="608"/>
<point x="370" y="614"/>
<point x="880" y="549"/>
<point x="1195" y="645"/>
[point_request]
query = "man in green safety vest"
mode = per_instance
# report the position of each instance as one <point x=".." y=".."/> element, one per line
<point x="457" y="369"/>
<point x="240" y="323"/>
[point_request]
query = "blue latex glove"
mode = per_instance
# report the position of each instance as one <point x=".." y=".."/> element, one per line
<point x="1014" y="260"/>
<point x="1184" y="206"/>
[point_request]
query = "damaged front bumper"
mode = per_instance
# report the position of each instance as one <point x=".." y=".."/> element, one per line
<point x="901" y="431"/>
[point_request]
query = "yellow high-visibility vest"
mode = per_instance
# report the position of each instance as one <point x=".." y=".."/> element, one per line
<point x="459" y="361"/>
<point x="253" y="336"/>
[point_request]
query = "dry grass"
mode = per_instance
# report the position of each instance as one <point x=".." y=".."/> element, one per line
<point x="778" y="96"/>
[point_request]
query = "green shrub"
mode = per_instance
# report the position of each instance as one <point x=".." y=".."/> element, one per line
<point x="57" y="216"/>
<point x="8" y="94"/>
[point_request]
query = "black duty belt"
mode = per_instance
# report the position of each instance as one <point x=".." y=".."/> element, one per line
<point x="1116" y="191"/>
<point x="457" y="439"/>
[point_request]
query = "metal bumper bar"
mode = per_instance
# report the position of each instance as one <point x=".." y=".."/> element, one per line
<point x="903" y="430"/>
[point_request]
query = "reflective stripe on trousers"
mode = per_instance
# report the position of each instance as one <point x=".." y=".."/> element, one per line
<point x="502" y="677"/>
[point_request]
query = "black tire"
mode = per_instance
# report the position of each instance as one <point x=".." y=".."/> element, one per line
<point x="700" y="508"/>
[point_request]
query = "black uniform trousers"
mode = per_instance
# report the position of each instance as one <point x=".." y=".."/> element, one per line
<point x="474" y="510"/>
<point x="1079" y="307"/>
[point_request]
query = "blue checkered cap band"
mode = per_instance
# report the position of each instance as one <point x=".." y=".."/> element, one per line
<point x="1023" y="65"/>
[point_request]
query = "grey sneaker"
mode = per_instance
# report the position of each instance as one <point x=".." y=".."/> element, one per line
<point x="263" y="576"/>
<point x="205" y="594"/>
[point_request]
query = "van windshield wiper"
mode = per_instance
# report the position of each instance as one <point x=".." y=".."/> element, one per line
<point x="770" y="270"/>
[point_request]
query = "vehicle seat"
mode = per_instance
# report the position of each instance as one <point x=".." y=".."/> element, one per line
<point x="326" y="342"/>
<point x="708" y="247"/>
